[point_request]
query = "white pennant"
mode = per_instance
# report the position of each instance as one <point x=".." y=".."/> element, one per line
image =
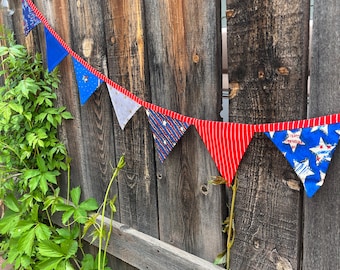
<point x="124" y="106"/>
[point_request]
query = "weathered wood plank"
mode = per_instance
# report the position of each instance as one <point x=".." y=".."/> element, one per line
<point x="185" y="76"/>
<point x="125" y="41"/>
<point x="145" y="252"/>
<point x="267" y="60"/>
<point x="321" y="213"/>
<point x="96" y="134"/>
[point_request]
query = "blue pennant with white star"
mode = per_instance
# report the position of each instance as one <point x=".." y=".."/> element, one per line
<point x="166" y="132"/>
<point x="87" y="82"/>
<point x="309" y="151"/>
<point x="30" y="19"/>
<point x="54" y="51"/>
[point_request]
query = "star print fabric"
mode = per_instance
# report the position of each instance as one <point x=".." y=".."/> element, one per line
<point x="30" y="19"/>
<point x="166" y="132"/>
<point x="87" y="82"/>
<point x="309" y="151"/>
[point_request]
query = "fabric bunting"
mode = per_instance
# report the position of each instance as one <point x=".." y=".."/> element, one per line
<point x="87" y="82"/>
<point x="166" y="132"/>
<point x="124" y="106"/>
<point x="227" y="143"/>
<point x="55" y="52"/>
<point x="307" y="144"/>
<point x="309" y="151"/>
<point x="30" y="19"/>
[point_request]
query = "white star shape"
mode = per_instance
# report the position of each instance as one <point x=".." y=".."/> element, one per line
<point x="323" y="128"/>
<point x="302" y="169"/>
<point x="338" y="131"/>
<point x="322" y="151"/>
<point x="293" y="139"/>
<point x="322" y="179"/>
<point x="164" y="123"/>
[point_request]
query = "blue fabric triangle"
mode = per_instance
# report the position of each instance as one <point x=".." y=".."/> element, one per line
<point x="55" y="52"/>
<point x="87" y="82"/>
<point x="30" y="19"/>
<point x="166" y="132"/>
<point x="309" y="151"/>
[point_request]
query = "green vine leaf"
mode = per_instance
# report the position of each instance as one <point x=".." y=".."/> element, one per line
<point x="75" y="195"/>
<point x="221" y="258"/>
<point x="26" y="241"/>
<point x="12" y="203"/>
<point x="48" y="248"/>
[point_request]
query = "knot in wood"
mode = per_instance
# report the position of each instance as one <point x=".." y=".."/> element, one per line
<point x="113" y="40"/>
<point x="284" y="71"/>
<point x="261" y="74"/>
<point x="204" y="189"/>
<point x="87" y="47"/>
<point x="230" y="13"/>
<point x="195" y="58"/>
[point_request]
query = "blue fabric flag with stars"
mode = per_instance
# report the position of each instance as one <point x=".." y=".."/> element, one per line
<point x="166" y="132"/>
<point x="30" y="19"/>
<point x="87" y="82"/>
<point x="309" y="151"/>
<point x="54" y="51"/>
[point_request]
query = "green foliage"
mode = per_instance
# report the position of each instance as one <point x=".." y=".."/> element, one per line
<point x="31" y="159"/>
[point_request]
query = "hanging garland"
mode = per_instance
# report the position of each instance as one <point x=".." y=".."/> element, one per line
<point x="308" y="144"/>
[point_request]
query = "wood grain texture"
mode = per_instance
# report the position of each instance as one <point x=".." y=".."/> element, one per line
<point x="141" y="251"/>
<point x="267" y="57"/>
<point x="321" y="239"/>
<point x="145" y="252"/>
<point x="127" y="58"/>
<point x="183" y="48"/>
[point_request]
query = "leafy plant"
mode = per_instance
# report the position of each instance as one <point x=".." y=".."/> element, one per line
<point x="31" y="159"/>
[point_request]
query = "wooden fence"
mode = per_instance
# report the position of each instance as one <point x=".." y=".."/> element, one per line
<point x="169" y="53"/>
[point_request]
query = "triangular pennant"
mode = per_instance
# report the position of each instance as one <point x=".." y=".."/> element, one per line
<point x="227" y="143"/>
<point x="30" y="19"/>
<point x="124" y="106"/>
<point x="309" y="151"/>
<point x="54" y="50"/>
<point x="4" y="4"/>
<point x="166" y="132"/>
<point x="87" y="82"/>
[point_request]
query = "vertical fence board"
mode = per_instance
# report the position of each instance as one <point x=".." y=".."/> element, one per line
<point x="96" y="135"/>
<point x="183" y="48"/>
<point x="267" y="57"/>
<point x="124" y="28"/>
<point x="321" y="213"/>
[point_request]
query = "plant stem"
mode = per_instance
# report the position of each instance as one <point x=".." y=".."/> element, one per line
<point x="108" y="236"/>
<point x="68" y="181"/>
<point x="120" y="165"/>
<point x="49" y="218"/>
<point x="231" y="229"/>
